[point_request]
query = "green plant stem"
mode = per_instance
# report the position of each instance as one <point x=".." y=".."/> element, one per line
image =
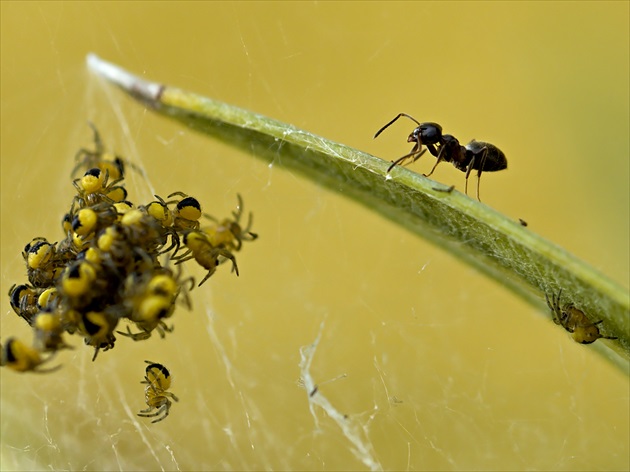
<point x="471" y="231"/>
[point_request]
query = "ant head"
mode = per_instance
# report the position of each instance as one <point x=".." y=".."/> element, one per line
<point x="426" y="133"/>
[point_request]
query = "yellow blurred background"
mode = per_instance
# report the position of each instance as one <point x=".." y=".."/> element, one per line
<point x="445" y="369"/>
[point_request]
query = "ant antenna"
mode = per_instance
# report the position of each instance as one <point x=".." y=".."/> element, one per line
<point x="393" y="121"/>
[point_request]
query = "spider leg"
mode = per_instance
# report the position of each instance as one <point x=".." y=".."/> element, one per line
<point x="228" y="255"/>
<point x="160" y="419"/>
<point x="151" y="415"/>
<point x="239" y="211"/>
<point x="164" y="409"/>
<point x="57" y="367"/>
<point x="183" y="258"/>
<point x="210" y="272"/>
<point x="146" y="410"/>
<point x="172" y="395"/>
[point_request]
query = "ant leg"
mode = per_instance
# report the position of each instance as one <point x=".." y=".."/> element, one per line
<point x="393" y="121"/>
<point x="439" y="159"/>
<point x="478" y="184"/>
<point x="414" y="154"/>
<point x="469" y="168"/>
<point x="418" y="155"/>
<point x="483" y="163"/>
<point x="434" y="152"/>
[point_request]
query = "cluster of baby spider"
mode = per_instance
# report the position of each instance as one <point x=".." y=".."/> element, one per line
<point x="117" y="261"/>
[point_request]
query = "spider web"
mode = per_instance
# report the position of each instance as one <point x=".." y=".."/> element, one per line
<point x="344" y="344"/>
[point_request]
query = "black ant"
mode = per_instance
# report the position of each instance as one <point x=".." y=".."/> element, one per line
<point x="476" y="155"/>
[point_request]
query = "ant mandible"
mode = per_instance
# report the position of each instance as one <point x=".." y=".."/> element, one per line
<point x="476" y="155"/>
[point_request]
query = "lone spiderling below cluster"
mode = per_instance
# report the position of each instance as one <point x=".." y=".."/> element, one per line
<point x="158" y="381"/>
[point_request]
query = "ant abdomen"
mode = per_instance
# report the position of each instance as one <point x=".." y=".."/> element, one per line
<point x="494" y="160"/>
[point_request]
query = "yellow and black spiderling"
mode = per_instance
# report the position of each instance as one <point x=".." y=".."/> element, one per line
<point x="38" y="253"/>
<point x="159" y="210"/>
<point x="148" y="308"/>
<point x="95" y="187"/>
<point x="99" y="158"/>
<point x="116" y="262"/>
<point x="48" y="299"/>
<point x="205" y="254"/>
<point x="41" y="264"/>
<point x="19" y="357"/>
<point x="228" y="233"/>
<point x="98" y="331"/>
<point x="23" y="299"/>
<point x="89" y="220"/>
<point x="48" y="332"/>
<point x="574" y="320"/>
<point x="187" y="212"/>
<point x="158" y="380"/>
<point x="77" y="281"/>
